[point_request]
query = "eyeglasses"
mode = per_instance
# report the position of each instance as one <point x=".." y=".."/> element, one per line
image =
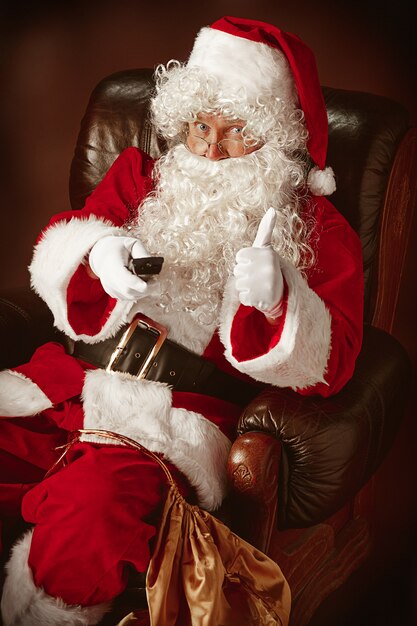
<point x="227" y="147"/>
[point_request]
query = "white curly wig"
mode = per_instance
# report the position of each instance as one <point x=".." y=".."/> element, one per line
<point x="201" y="212"/>
<point x="182" y="92"/>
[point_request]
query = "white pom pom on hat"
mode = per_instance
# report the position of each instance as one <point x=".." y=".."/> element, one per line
<point x="266" y="61"/>
<point x="321" y="182"/>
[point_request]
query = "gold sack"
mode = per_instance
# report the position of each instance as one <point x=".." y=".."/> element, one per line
<point x="202" y="574"/>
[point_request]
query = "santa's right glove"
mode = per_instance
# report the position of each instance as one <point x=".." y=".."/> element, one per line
<point x="110" y="258"/>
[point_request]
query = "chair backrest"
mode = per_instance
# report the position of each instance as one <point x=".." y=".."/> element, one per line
<point x="117" y="117"/>
<point x="365" y="132"/>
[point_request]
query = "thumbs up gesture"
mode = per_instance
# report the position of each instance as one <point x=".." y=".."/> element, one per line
<point x="258" y="274"/>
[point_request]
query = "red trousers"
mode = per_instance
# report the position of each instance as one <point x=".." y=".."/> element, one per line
<point x="27" y="451"/>
<point x="94" y="518"/>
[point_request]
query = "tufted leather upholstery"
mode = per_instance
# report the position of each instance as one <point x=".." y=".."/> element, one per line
<point x="314" y="455"/>
<point x="332" y="446"/>
<point x="364" y="133"/>
<point x="117" y="117"/>
<point x="297" y="460"/>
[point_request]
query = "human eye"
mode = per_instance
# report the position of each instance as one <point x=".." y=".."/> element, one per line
<point x="235" y="132"/>
<point x="201" y="128"/>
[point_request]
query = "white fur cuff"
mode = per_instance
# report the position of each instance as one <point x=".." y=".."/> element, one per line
<point x="24" y="604"/>
<point x="141" y="410"/>
<point x="61" y="250"/>
<point x="20" y="396"/>
<point x="299" y="360"/>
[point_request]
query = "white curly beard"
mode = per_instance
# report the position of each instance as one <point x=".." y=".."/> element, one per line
<point x="202" y="212"/>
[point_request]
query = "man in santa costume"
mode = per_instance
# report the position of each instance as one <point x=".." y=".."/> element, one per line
<point x="261" y="285"/>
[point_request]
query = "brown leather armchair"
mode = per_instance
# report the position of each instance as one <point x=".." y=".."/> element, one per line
<point x="301" y="467"/>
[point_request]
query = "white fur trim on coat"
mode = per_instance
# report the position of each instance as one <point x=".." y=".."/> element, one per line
<point x="141" y="410"/>
<point x="61" y="250"/>
<point x="20" y="396"/>
<point x="265" y="71"/>
<point x="24" y="604"/>
<point x="300" y="358"/>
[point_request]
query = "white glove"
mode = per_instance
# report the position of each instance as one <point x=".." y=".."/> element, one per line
<point x="259" y="280"/>
<point x="109" y="259"/>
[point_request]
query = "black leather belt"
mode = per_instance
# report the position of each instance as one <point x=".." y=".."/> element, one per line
<point x="143" y="350"/>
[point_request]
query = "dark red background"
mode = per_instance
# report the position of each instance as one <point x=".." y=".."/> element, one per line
<point x="53" y="54"/>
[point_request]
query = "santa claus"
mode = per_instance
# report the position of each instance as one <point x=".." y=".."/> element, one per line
<point x="261" y="284"/>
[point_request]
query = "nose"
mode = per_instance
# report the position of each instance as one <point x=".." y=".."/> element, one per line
<point x="213" y="153"/>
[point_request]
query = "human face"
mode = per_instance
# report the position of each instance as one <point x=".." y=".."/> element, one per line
<point x="216" y="137"/>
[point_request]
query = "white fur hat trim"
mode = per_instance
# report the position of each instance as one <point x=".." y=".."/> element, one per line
<point x="238" y="63"/>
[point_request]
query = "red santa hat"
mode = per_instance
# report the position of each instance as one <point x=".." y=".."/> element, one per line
<point x="265" y="62"/>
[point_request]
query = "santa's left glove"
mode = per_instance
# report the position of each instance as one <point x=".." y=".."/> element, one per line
<point x="259" y="280"/>
<point x="109" y="259"/>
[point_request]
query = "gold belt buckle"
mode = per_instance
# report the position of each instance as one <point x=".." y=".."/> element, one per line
<point x="148" y="324"/>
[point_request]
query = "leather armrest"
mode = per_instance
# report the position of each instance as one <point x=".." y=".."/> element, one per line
<point x="252" y="468"/>
<point x="25" y="323"/>
<point x="331" y="446"/>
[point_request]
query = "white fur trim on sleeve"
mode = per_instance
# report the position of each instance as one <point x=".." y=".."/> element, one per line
<point x="61" y="250"/>
<point x="300" y="358"/>
<point x="24" y="604"/>
<point x="20" y="396"/>
<point x="141" y="410"/>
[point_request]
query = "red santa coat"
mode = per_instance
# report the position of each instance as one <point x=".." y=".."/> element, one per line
<point x="312" y="348"/>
